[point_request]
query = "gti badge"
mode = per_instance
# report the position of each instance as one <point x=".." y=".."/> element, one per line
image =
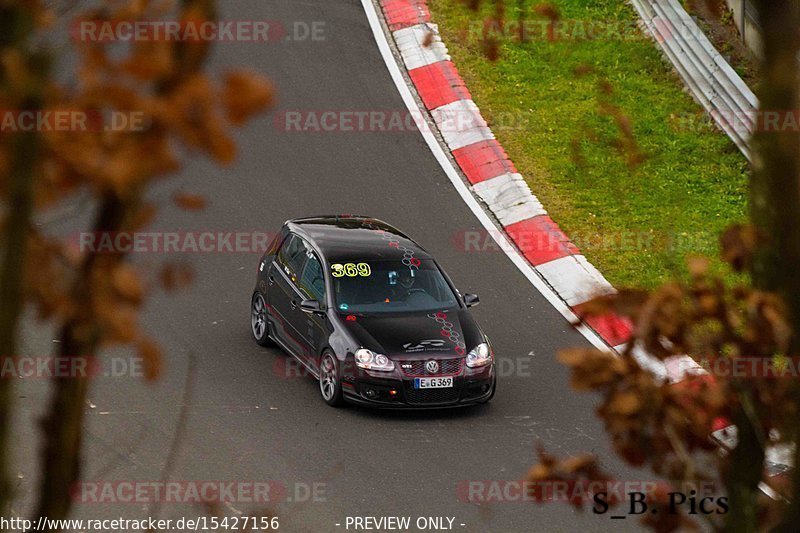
<point x="432" y="367"/>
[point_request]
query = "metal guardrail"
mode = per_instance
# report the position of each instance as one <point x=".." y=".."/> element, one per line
<point x="712" y="81"/>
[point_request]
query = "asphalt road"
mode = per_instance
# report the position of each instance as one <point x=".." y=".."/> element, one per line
<point x="246" y="419"/>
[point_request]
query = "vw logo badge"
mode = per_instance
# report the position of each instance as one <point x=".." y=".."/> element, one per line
<point x="432" y="367"/>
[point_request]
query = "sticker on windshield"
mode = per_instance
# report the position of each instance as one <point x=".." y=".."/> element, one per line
<point x="351" y="270"/>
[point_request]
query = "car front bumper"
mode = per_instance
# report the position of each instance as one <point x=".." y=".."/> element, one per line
<point x="470" y="387"/>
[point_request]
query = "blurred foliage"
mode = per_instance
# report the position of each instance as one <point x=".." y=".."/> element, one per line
<point x="92" y="297"/>
<point x="667" y="426"/>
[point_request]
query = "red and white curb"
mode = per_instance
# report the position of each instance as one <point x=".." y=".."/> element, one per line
<point x="492" y="175"/>
<point x="494" y="180"/>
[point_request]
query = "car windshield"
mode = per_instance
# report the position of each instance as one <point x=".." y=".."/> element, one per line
<point x="390" y="287"/>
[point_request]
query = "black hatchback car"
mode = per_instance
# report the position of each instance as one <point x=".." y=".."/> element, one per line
<point x="371" y="315"/>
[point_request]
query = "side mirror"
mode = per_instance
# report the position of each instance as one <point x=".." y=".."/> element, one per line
<point x="310" y="306"/>
<point x="471" y="300"/>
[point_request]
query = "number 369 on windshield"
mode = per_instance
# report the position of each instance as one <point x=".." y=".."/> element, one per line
<point x="351" y="270"/>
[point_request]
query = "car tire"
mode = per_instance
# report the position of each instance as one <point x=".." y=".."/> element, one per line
<point x="259" y="322"/>
<point x="330" y="383"/>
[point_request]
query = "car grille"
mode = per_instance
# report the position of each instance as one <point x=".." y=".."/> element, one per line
<point x="432" y="396"/>
<point x="447" y="367"/>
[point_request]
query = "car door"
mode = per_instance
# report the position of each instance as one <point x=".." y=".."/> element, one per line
<point x="312" y="327"/>
<point x="282" y="294"/>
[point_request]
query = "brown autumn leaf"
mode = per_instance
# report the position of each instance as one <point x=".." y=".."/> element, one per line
<point x="120" y="323"/>
<point x="663" y="317"/>
<point x="246" y="94"/>
<point x="708" y="304"/>
<point x="151" y="356"/>
<point x="45" y="276"/>
<point x="142" y="216"/>
<point x="738" y="244"/>
<point x="191" y="111"/>
<point x="698" y="265"/>
<point x="15" y="72"/>
<point x="491" y="48"/>
<point x="428" y="40"/>
<point x="579" y="463"/>
<point x="190" y="202"/>
<point x="591" y="368"/>
<point x="150" y="60"/>
<point x="571" y="472"/>
<point x="775" y="314"/>
<point x="45" y="17"/>
<point x="222" y="147"/>
<point x="625" y="302"/>
<point x="161" y="156"/>
<point x="625" y="126"/>
<point x="122" y="169"/>
<point x="548" y="11"/>
<point x="133" y="9"/>
<point x="539" y="472"/>
<point x="766" y="328"/>
<point x="176" y="276"/>
<point x="5" y="165"/>
<point x="629" y="302"/>
<point x="625" y="403"/>
<point x="667" y="522"/>
<point x="597" y="306"/>
<point x="575" y="356"/>
<point x="127" y="284"/>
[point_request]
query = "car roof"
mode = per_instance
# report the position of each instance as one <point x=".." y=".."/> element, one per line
<point x="355" y="237"/>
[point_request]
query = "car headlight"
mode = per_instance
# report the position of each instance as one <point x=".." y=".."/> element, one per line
<point x="481" y="355"/>
<point x="373" y="361"/>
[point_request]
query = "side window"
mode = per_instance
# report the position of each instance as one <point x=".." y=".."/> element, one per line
<point x="312" y="282"/>
<point x="292" y="256"/>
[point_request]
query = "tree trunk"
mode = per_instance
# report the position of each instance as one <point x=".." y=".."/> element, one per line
<point x="775" y="185"/>
<point x="63" y="425"/>
<point x="16" y="25"/>
<point x="743" y="476"/>
<point x="80" y="336"/>
<point x="26" y="148"/>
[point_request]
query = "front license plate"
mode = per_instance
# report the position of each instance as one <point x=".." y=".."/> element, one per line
<point x="433" y="383"/>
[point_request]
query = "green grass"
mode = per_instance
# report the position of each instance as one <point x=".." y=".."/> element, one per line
<point x="636" y="223"/>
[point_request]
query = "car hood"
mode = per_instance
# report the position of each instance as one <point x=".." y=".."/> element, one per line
<point x="411" y="336"/>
